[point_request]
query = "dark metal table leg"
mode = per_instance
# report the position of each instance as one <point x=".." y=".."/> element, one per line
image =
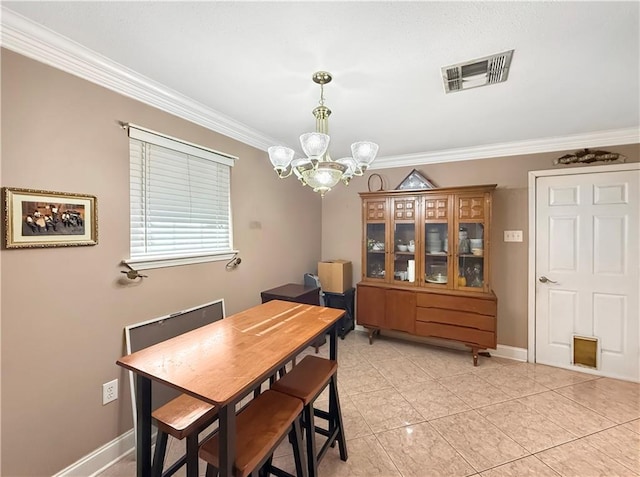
<point x="227" y="440"/>
<point x="143" y="421"/>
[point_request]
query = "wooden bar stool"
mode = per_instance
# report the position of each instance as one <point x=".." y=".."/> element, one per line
<point x="260" y="427"/>
<point x="184" y="416"/>
<point x="306" y="381"/>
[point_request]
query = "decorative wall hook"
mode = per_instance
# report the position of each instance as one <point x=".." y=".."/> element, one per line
<point x="133" y="274"/>
<point x="233" y="263"/>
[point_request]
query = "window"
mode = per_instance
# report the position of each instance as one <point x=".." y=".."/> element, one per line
<point x="180" y="202"/>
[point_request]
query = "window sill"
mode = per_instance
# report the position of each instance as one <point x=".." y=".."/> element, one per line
<point x="148" y="263"/>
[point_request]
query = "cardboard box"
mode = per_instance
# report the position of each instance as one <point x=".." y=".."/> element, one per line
<point x="335" y="275"/>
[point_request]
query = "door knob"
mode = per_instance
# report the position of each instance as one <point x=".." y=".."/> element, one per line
<point x="544" y="279"/>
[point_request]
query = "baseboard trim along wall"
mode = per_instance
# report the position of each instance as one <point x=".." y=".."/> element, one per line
<point x="101" y="458"/>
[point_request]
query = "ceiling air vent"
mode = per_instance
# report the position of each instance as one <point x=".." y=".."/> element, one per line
<point x="481" y="72"/>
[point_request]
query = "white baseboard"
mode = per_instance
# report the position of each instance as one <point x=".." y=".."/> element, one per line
<point x="510" y="352"/>
<point x="101" y="458"/>
<point x="501" y="351"/>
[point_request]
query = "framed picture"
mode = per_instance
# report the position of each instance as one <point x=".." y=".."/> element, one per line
<point x="415" y="180"/>
<point x="39" y="218"/>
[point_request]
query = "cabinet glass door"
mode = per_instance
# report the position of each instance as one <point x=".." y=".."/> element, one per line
<point x="376" y="253"/>
<point x="471" y="265"/>
<point x="436" y="254"/>
<point x="404" y="263"/>
<point x="404" y="240"/>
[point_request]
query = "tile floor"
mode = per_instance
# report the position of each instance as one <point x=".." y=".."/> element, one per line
<point x="417" y="410"/>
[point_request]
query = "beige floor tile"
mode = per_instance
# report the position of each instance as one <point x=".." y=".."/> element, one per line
<point x="617" y="400"/>
<point x="361" y="379"/>
<point x="443" y="366"/>
<point x="579" y="459"/>
<point x="349" y="357"/>
<point x="431" y="399"/>
<point x="473" y="390"/>
<point x="529" y="466"/>
<point x="619" y="443"/>
<point x="367" y="458"/>
<point x="354" y="423"/>
<point x="481" y="443"/>
<point x="414" y="449"/>
<point x="386" y="409"/>
<point x="575" y="418"/>
<point x="633" y="425"/>
<point x="553" y="378"/>
<point x="125" y="467"/>
<point x="525" y="426"/>
<point x="411" y="348"/>
<point x="400" y="370"/>
<point x="354" y="338"/>
<point x="380" y="350"/>
<point x="510" y="382"/>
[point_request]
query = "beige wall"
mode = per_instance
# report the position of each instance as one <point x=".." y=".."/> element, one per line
<point x="341" y="223"/>
<point x="64" y="309"/>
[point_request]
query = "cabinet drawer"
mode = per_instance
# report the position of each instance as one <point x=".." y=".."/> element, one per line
<point x="456" y="318"/>
<point x="462" y="303"/>
<point x="484" y="339"/>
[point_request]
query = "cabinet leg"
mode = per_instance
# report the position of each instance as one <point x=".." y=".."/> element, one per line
<point x="475" y="356"/>
<point x="371" y="333"/>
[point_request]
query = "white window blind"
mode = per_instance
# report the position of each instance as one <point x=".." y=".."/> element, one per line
<point x="180" y="199"/>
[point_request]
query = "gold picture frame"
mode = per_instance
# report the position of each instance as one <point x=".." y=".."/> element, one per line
<point x="40" y="218"/>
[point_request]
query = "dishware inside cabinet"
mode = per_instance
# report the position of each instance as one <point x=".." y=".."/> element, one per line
<point x="375" y="255"/>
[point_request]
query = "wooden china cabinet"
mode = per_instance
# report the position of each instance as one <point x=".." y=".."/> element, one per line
<point x="426" y="264"/>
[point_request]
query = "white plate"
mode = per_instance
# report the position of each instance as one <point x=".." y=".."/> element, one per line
<point x="437" y="280"/>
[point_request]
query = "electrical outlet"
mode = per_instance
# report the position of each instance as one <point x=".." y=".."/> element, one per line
<point x="109" y="391"/>
<point x="513" y="235"/>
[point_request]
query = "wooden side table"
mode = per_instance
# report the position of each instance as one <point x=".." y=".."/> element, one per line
<point x="296" y="293"/>
<point x="293" y="292"/>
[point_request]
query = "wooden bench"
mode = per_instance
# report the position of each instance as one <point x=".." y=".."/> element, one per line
<point x="184" y="416"/>
<point x="260" y="427"/>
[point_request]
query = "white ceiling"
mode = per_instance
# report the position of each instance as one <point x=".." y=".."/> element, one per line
<point x="575" y="71"/>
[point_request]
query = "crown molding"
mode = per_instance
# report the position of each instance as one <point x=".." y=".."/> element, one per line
<point x="614" y="137"/>
<point x="35" y="41"/>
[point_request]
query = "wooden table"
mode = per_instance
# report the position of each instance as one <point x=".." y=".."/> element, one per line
<point x="222" y="362"/>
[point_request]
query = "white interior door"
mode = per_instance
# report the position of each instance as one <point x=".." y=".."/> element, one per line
<point x="587" y="269"/>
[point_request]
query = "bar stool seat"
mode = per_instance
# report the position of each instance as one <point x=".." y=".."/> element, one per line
<point x="306" y="381"/>
<point x="184" y="416"/>
<point x="260" y="427"/>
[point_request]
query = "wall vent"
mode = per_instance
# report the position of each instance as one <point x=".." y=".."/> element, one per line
<point x="475" y="73"/>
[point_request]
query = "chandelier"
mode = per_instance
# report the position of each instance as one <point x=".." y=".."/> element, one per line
<point x="318" y="170"/>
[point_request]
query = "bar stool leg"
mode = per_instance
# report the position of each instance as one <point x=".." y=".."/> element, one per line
<point x="159" y="453"/>
<point x="336" y="416"/>
<point x="298" y="450"/>
<point x="192" y="455"/>
<point x="310" y="430"/>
